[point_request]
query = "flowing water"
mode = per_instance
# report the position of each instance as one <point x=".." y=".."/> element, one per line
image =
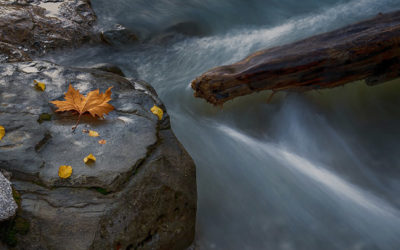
<point x="319" y="170"/>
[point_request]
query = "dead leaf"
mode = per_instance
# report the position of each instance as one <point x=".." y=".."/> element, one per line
<point x="2" y="132"/>
<point x="39" y="85"/>
<point x="93" y="133"/>
<point x="157" y="111"/>
<point x="103" y="142"/>
<point x="64" y="171"/>
<point x="95" y="103"/>
<point x="89" y="159"/>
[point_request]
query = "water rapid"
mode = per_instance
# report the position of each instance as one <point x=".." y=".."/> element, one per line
<point x="318" y="170"/>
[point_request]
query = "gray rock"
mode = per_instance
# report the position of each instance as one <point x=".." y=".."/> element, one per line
<point x="139" y="194"/>
<point x="8" y="207"/>
<point x="34" y="27"/>
<point x="6" y="174"/>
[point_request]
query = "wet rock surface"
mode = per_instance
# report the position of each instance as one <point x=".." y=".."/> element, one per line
<point x="119" y="36"/>
<point x="108" y="67"/>
<point x="139" y="194"/>
<point x="8" y="206"/>
<point x="10" y="53"/>
<point x="34" y="27"/>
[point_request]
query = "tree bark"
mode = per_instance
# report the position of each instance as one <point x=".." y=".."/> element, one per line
<point x="367" y="50"/>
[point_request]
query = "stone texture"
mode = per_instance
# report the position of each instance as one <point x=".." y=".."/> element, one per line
<point x="8" y="206"/>
<point x="10" y="53"/>
<point x="140" y="193"/>
<point x="33" y="27"/>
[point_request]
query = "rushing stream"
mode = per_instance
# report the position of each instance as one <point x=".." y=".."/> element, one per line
<point x="318" y="170"/>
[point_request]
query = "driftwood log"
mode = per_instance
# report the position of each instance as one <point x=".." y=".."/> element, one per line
<point x="367" y="50"/>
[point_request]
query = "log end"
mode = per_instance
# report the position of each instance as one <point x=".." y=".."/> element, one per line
<point x="213" y="84"/>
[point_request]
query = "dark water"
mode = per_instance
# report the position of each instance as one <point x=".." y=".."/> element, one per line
<point x="308" y="171"/>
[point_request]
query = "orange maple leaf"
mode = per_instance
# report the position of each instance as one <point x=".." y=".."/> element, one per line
<point x="94" y="102"/>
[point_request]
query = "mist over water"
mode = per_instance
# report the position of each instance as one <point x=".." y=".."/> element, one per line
<point x="318" y="170"/>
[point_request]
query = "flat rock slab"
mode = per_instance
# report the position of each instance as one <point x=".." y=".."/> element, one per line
<point x="36" y="149"/>
<point x="33" y="27"/>
<point x="8" y="206"/>
<point x="141" y="162"/>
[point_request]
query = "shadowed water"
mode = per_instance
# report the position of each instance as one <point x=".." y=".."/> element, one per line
<point x="318" y="170"/>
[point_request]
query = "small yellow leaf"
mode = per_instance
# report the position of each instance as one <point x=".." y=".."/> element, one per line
<point x="93" y="133"/>
<point x="157" y="111"/>
<point x="65" y="171"/>
<point x="89" y="159"/>
<point x="2" y="132"/>
<point x="39" y="85"/>
<point x="103" y="142"/>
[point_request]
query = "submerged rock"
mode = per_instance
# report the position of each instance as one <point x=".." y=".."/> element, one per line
<point x="33" y="27"/>
<point x="139" y="194"/>
<point x="108" y="67"/>
<point x="8" y="206"/>
<point x="10" y="53"/>
<point x="188" y="28"/>
<point x="119" y="36"/>
<point x="179" y="31"/>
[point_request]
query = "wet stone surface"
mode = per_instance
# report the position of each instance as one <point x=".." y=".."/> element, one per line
<point x="32" y="28"/>
<point x="141" y="191"/>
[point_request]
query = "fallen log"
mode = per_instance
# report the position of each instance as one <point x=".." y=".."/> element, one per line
<point x="367" y="50"/>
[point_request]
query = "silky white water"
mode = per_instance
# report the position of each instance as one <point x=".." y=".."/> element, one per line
<point x="317" y="170"/>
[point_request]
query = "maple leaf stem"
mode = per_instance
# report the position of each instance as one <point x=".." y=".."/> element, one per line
<point x="94" y="102"/>
<point x="76" y="124"/>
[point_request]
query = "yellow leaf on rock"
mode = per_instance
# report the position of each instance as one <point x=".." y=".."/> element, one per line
<point x="103" y="142"/>
<point x="39" y="85"/>
<point x="65" y="171"/>
<point x="94" y="103"/>
<point x="2" y="132"/>
<point x="93" y="133"/>
<point x="89" y="159"/>
<point x="157" y="111"/>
